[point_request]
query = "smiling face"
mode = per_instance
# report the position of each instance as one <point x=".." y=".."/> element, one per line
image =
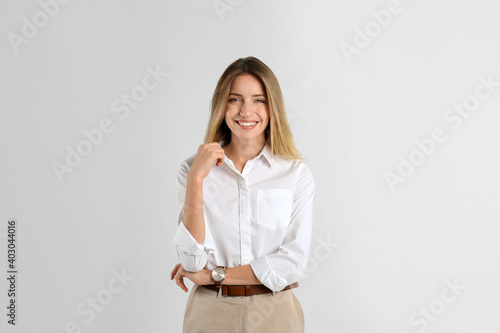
<point x="247" y="113"/>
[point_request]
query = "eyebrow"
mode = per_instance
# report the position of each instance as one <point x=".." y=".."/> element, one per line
<point x="252" y="95"/>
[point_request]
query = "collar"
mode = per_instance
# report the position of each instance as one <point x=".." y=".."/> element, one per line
<point x="266" y="152"/>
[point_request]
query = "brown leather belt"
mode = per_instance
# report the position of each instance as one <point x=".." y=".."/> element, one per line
<point x="248" y="290"/>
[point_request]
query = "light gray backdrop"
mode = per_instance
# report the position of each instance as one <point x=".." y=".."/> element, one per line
<point x="394" y="104"/>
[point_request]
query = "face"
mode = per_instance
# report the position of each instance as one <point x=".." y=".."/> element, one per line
<point x="247" y="113"/>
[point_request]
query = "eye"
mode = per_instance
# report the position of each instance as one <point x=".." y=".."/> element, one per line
<point x="261" y="101"/>
<point x="233" y="99"/>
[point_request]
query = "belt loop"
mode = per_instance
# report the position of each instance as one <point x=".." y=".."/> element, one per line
<point x="219" y="293"/>
<point x="273" y="292"/>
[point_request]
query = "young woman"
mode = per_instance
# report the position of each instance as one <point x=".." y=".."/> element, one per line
<point x="245" y="211"/>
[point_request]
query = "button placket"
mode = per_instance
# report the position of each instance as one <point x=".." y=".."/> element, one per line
<point x="245" y="228"/>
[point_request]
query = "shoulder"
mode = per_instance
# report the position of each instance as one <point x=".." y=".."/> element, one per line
<point x="293" y="164"/>
<point x="301" y="170"/>
<point x="305" y="175"/>
<point x="305" y="178"/>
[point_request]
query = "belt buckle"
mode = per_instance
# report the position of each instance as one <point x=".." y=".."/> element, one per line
<point x="225" y="291"/>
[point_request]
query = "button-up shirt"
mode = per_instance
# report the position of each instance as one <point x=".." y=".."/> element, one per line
<point x="260" y="217"/>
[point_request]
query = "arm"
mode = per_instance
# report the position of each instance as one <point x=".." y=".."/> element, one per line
<point x="191" y="241"/>
<point x="288" y="264"/>
<point x="192" y="217"/>
<point x="242" y="275"/>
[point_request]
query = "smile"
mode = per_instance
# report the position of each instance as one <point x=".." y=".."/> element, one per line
<point x="247" y="125"/>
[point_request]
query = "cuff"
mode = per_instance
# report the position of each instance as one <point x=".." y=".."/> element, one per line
<point x="265" y="274"/>
<point x="188" y="244"/>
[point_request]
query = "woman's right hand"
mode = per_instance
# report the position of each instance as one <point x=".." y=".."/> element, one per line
<point x="207" y="154"/>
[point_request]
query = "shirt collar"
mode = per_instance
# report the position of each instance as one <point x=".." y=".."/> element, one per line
<point x="266" y="152"/>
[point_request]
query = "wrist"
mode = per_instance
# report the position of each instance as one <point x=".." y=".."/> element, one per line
<point x="195" y="179"/>
<point x="227" y="280"/>
<point x="208" y="276"/>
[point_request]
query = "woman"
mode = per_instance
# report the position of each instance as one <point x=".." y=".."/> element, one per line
<point x="245" y="211"/>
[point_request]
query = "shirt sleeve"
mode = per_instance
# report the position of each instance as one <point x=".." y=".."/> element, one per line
<point x="288" y="264"/>
<point x="191" y="254"/>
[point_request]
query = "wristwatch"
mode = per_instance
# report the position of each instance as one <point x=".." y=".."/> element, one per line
<point x="218" y="275"/>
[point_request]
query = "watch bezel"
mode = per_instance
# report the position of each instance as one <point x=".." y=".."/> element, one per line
<point x="218" y="271"/>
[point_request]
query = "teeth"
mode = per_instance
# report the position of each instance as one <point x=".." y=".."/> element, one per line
<point x="247" y="124"/>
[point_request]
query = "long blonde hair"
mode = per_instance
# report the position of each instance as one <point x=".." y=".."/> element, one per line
<point x="278" y="134"/>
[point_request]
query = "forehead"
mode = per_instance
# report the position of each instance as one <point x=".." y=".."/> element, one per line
<point x="247" y="83"/>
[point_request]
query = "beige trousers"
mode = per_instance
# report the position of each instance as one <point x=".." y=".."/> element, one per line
<point x="207" y="311"/>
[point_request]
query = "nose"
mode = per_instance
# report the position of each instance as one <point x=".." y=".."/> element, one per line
<point x="245" y="109"/>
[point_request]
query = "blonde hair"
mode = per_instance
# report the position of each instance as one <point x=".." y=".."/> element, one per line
<point x="278" y="134"/>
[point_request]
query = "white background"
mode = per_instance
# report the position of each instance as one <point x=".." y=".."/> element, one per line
<point x="353" y="118"/>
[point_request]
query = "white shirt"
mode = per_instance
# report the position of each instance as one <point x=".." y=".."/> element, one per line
<point x="261" y="216"/>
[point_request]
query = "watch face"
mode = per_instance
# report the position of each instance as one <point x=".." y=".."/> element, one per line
<point x="218" y="274"/>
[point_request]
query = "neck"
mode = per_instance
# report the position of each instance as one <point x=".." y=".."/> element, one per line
<point x="241" y="151"/>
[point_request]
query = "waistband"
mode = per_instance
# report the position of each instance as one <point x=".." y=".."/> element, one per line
<point x="245" y="290"/>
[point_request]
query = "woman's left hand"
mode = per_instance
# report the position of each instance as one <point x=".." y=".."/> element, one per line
<point x="200" y="278"/>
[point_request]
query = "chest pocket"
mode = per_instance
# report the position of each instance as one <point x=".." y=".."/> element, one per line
<point x="274" y="207"/>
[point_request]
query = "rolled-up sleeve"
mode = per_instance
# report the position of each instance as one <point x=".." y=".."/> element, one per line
<point x="191" y="254"/>
<point x="288" y="264"/>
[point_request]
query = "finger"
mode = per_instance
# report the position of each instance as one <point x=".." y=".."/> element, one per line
<point x="221" y="157"/>
<point x="179" y="280"/>
<point x="174" y="271"/>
